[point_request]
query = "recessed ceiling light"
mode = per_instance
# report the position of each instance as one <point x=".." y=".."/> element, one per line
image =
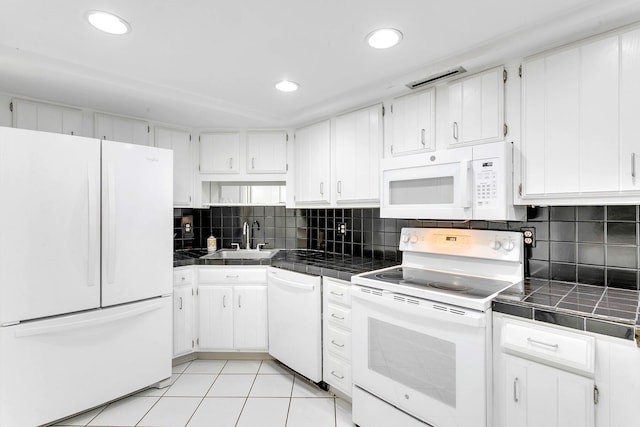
<point x="287" y="86"/>
<point x="384" y="38"/>
<point x="108" y="22"/>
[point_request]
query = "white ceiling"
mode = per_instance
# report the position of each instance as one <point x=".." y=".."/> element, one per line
<point x="212" y="63"/>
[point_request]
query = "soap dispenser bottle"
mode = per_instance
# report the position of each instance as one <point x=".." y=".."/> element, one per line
<point x="211" y="244"/>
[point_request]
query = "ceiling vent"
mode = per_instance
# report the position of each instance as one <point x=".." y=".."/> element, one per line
<point x="436" y="78"/>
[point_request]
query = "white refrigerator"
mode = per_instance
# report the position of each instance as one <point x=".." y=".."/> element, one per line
<point x="85" y="273"/>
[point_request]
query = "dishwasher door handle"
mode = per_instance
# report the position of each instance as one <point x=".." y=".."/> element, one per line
<point x="290" y="284"/>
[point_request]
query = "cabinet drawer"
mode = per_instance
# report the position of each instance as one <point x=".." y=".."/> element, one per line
<point x="338" y="341"/>
<point x="230" y="275"/>
<point x="340" y="316"/>
<point x="550" y="346"/>
<point x="337" y="292"/>
<point x="337" y="373"/>
<point x="183" y="277"/>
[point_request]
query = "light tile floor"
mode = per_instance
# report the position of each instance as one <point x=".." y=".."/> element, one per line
<point x="225" y="393"/>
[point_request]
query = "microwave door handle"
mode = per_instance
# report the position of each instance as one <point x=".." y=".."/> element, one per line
<point x="465" y="184"/>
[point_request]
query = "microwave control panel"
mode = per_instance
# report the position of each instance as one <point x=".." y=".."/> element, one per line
<point x="486" y="183"/>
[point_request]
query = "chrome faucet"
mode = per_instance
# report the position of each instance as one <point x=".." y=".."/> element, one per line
<point x="246" y="231"/>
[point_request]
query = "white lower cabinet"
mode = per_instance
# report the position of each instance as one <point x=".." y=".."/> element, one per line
<point x="540" y="395"/>
<point x="184" y="339"/>
<point x="336" y="329"/>
<point x="232" y="308"/>
<point x="549" y="375"/>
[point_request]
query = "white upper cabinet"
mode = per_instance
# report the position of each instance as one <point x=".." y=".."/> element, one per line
<point x="580" y="132"/>
<point x="476" y="108"/>
<point x="313" y="164"/>
<point x="46" y="117"/>
<point x="357" y="150"/>
<point x="629" y="108"/>
<point x="180" y="142"/>
<point x="121" y="129"/>
<point x="266" y="152"/>
<point x="220" y="152"/>
<point x="412" y="119"/>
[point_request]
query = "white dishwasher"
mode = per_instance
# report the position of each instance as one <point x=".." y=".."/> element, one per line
<point x="295" y="321"/>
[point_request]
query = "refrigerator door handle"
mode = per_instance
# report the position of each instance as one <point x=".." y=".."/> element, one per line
<point x="73" y="324"/>
<point x="111" y="225"/>
<point x="91" y="235"/>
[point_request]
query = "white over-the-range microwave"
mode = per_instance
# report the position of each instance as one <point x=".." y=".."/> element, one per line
<point x="473" y="182"/>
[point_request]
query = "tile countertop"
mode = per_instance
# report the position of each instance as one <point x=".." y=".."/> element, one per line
<point x="301" y="260"/>
<point x="597" y="309"/>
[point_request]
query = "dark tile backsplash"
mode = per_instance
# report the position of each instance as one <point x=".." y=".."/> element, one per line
<point x="595" y="245"/>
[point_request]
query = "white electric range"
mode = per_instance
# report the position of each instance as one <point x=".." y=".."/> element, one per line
<point x="422" y="330"/>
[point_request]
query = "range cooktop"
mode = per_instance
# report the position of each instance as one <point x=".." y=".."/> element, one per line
<point x="435" y="281"/>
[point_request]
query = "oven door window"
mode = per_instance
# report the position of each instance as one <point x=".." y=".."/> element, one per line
<point x="424" y="363"/>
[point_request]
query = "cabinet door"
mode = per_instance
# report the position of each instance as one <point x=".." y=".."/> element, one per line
<point x="215" y="315"/>
<point x="599" y="116"/>
<point x="180" y="142"/>
<point x="219" y="152"/>
<point x="46" y="117"/>
<point x="629" y="107"/>
<point x="539" y="395"/>
<point x="266" y="152"/>
<point x="476" y="108"/>
<point x="183" y="341"/>
<point x="312" y="164"/>
<point x="576" y="105"/>
<point x="250" y="317"/>
<point x="413" y="118"/>
<point x="121" y="129"/>
<point x="357" y="155"/>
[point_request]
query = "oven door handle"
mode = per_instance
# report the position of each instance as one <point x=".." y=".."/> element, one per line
<point x="388" y="301"/>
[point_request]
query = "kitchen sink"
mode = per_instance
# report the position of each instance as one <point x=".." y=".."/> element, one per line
<point x="242" y="254"/>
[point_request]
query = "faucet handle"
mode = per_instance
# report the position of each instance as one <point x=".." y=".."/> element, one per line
<point x="236" y="246"/>
<point x="260" y="246"/>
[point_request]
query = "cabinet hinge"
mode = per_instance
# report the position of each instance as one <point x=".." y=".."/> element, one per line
<point x="383" y="111"/>
<point x="504" y="76"/>
<point x="505" y="129"/>
<point x="520" y="189"/>
<point x="520" y="70"/>
<point x="596" y="394"/>
<point x="11" y="106"/>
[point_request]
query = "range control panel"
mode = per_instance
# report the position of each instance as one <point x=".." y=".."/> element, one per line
<point x="488" y="244"/>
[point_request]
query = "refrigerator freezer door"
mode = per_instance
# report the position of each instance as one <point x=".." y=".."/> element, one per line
<point x="137" y="222"/>
<point x="53" y="368"/>
<point x="50" y="240"/>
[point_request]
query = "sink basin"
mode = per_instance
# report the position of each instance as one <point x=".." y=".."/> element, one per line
<point x="242" y="254"/>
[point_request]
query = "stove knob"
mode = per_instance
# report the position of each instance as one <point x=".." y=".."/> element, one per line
<point x="414" y="239"/>
<point x="508" y="245"/>
<point x="495" y="244"/>
<point x="405" y="238"/>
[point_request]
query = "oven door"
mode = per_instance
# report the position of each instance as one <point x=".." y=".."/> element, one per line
<point x="426" y="358"/>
